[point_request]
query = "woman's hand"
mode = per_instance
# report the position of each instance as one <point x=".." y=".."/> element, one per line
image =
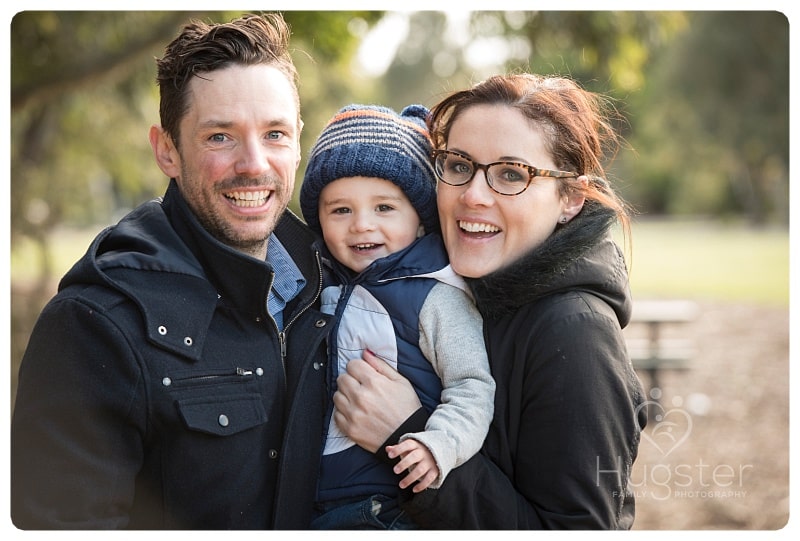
<point x="372" y="401"/>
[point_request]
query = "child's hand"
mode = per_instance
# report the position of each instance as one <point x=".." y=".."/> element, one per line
<point x="418" y="460"/>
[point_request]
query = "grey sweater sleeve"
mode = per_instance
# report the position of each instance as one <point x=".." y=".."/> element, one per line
<point x="451" y="338"/>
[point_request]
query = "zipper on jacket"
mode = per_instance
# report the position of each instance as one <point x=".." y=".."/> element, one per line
<point x="282" y="470"/>
<point x="236" y="372"/>
<point x="282" y="333"/>
<point x="282" y="339"/>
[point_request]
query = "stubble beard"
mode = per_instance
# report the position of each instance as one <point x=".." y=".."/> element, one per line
<point x="224" y="230"/>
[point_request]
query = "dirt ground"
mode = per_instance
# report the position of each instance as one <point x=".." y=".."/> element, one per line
<point x="716" y="456"/>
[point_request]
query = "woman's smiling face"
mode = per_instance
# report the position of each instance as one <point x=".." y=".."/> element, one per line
<point x="483" y="230"/>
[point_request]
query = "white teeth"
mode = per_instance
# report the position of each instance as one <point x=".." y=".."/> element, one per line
<point x="365" y="246"/>
<point x="473" y="227"/>
<point x="248" y="199"/>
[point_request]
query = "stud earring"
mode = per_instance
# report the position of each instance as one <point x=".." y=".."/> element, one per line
<point x="563" y="219"/>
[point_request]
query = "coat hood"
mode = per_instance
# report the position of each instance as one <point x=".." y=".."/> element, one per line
<point x="144" y="259"/>
<point x="143" y="240"/>
<point x="579" y="255"/>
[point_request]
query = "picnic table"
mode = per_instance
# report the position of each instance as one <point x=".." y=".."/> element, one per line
<point x="654" y="352"/>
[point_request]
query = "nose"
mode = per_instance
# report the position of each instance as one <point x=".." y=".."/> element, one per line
<point x="477" y="192"/>
<point x="362" y="221"/>
<point x="252" y="160"/>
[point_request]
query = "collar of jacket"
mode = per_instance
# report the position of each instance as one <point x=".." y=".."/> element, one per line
<point x="241" y="281"/>
<point x="424" y="256"/>
<point x="578" y="255"/>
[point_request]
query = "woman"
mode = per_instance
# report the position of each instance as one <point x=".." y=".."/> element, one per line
<point x="525" y="214"/>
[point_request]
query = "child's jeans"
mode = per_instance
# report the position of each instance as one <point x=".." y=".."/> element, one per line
<point x="376" y="512"/>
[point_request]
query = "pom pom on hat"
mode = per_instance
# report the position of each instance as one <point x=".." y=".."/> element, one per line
<point x="374" y="141"/>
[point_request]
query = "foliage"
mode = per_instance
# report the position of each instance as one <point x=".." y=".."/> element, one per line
<point x="605" y="51"/>
<point x="712" y="130"/>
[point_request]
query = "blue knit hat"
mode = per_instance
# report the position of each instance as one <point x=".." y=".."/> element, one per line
<point x="373" y="141"/>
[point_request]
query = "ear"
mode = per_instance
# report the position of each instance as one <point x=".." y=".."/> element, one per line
<point x="573" y="203"/>
<point x="300" y="125"/>
<point x="167" y="157"/>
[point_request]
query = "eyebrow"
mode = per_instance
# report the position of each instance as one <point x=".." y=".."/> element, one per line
<point x="213" y="123"/>
<point x="500" y="159"/>
<point x="377" y="198"/>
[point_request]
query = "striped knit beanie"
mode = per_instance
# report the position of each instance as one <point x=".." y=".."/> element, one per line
<point x="373" y="141"/>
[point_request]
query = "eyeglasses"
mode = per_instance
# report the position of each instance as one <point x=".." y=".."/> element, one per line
<point x="505" y="178"/>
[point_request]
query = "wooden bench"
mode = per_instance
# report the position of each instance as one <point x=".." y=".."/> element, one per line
<point x="654" y="352"/>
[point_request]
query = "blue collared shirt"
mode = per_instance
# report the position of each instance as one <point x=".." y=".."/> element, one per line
<point x="288" y="281"/>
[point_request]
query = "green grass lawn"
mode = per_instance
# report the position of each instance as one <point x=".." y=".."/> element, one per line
<point x="709" y="260"/>
<point x="686" y="259"/>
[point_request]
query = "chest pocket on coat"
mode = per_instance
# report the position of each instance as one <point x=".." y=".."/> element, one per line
<point x="222" y="416"/>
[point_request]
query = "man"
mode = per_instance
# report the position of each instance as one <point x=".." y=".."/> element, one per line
<point x="176" y="380"/>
